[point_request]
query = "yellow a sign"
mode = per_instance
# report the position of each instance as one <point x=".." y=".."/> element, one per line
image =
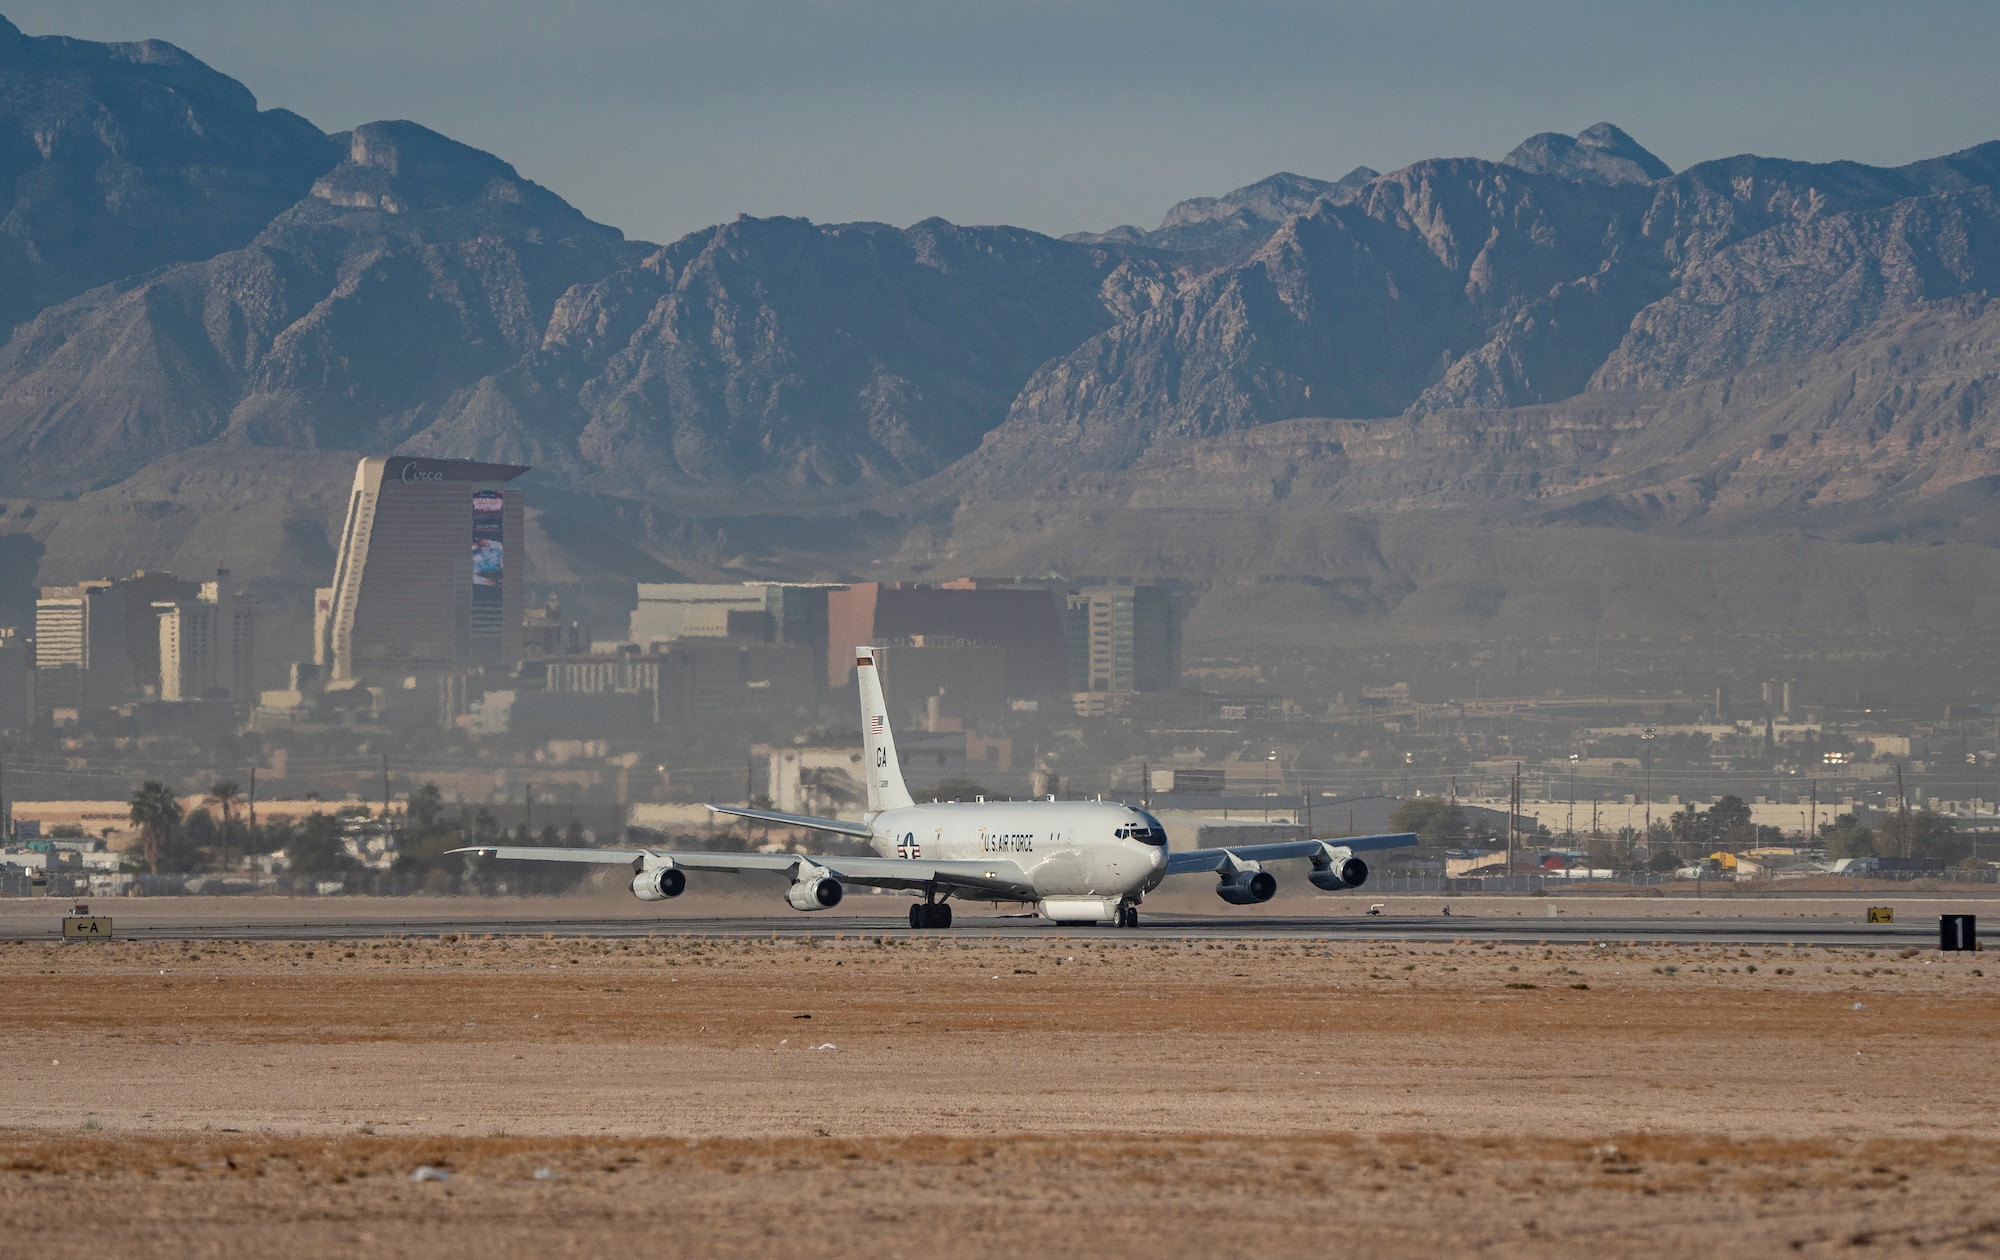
<point x="77" y="927"/>
<point x="1881" y="914"/>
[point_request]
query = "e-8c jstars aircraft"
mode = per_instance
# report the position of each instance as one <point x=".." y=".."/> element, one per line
<point x="1076" y="862"/>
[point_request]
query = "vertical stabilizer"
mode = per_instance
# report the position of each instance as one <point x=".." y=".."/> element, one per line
<point x="878" y="743"/>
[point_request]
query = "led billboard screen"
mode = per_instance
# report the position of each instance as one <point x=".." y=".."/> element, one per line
<point x="488" y="545"/>
<point x="489" y="564"/>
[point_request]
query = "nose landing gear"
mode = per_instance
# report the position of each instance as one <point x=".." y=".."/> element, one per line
<point x="1128" y="916"/>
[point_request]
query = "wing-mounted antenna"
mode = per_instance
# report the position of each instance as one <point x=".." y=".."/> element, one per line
<point x="886" y="789"/>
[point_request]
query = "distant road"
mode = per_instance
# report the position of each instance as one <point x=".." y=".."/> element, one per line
<point x="1429" y="929"/>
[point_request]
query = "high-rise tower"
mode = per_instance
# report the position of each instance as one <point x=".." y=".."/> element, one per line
<point x="432" y="569"/>
<point x="1124" y="639"/>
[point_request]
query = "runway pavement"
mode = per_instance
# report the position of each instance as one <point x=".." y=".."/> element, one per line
<point x="1414" y="929"/>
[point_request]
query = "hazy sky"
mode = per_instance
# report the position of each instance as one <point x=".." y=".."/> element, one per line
<point x="1065" y="115"/>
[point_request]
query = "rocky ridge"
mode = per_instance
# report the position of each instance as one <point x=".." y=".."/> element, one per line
<point x="1464" y="286"/>
<point x="119" y="158"/>
<point x="1232" y="226"/>
<point x="1600" y="153"/>
<point x="412" y="269"/>
<point x="837" y="360"/>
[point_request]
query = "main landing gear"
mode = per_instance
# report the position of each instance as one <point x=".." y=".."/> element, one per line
<point x="930" y="914"/>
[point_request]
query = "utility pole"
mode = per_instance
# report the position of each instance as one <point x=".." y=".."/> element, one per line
<point x="253" y="803"/>
<point x="528" y="812"/>
<point x="1903" y="808"/>
<point x="1812" y="834"/>
<point x="1513" y="815"/>
<point x="1646" y="754"/>
<point x="385" y="802"/>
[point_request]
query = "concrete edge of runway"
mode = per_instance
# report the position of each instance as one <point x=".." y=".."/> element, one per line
<point x="1431" y="930"/>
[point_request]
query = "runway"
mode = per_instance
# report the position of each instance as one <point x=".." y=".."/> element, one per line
<point x="1154" y="929"/>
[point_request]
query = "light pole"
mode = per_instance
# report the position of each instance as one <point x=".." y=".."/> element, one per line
<point x="1646" y="760"/>
<point x="1573" y="758"/>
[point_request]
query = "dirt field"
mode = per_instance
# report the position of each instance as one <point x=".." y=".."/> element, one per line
<point x="1061" y="1094"/>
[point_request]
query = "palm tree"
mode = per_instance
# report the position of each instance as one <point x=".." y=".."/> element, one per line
<point x="224" y="793"/>
<point x="156" y="812"/>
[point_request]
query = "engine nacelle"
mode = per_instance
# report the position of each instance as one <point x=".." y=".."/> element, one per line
<point x="1247" y="888"/>
<point x="659" y="884"/>
<point x="823" y="893"/>
<point x="1339" y="873"/>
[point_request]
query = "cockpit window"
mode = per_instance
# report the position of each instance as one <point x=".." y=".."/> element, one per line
<point x="1145" y="835"/>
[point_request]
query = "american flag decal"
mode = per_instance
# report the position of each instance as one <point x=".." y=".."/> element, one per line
<point x="875" y="725"/>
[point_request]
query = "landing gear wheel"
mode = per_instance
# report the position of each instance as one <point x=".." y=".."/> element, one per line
<point x="930" y="915"/>
<point x="1128" y="916"/>
<point x="940" y="915"/>
<point x="917" y="915"/>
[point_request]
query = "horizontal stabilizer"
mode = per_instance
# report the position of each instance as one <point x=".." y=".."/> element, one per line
<point x="834" y="825"/>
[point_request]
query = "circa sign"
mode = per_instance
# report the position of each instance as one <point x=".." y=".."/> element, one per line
<point x="414" y="471"/>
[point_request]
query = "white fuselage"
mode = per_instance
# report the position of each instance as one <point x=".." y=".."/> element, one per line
<point x="1065" y="848"/>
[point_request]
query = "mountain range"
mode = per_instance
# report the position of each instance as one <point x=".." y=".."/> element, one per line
<point x="1357" y="385"/>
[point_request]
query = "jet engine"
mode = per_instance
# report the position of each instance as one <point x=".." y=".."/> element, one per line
<point x="1246" y="887"/>
<point x="1335" y="874"/>
<point x="659" y="884"/>
<point x="815" y="894"/>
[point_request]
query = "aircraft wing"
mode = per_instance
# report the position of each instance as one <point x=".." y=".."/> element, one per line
<point x="525" y="853"/>
<point x="834" y="825"/>
<point x="1000" y="880"/>
<point x="1188" y="860"/>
